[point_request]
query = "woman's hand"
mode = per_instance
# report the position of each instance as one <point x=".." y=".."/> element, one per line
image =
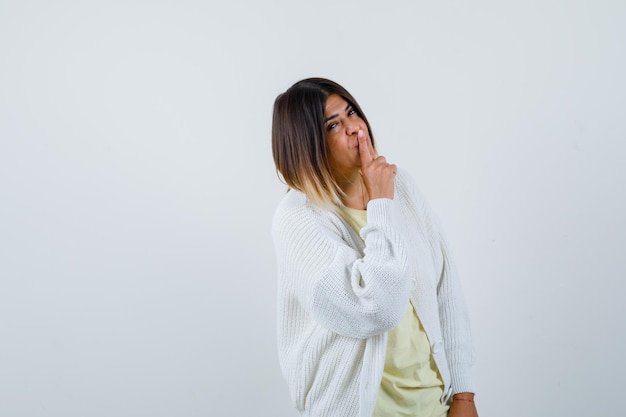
<point x="378" y="175"/>
<point x="463" y="406"/>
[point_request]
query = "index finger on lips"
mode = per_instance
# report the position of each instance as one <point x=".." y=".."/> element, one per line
<point x="364" y="152"/>
<point x="365" y="147"/>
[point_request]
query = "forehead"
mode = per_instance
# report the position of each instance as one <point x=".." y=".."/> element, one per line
<point x="334" y="104"/>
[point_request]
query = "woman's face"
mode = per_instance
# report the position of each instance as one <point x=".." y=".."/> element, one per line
<point x="342" y="125"/>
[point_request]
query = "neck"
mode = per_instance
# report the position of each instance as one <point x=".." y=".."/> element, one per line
<point x="355" y="192"/>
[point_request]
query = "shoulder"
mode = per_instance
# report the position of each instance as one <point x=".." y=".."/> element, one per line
<point x="407" y="187"/>
<point x="413" y="199"/>
<point x="296" y="214"/>
<point x="292" y="201"/>
<point x="404" y="178"/>
<point x="294" y="206"/>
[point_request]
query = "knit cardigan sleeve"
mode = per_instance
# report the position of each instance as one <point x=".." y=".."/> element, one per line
<point x="344" y="291"/>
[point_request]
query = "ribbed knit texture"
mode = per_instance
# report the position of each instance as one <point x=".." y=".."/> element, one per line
<point x="338" y="297"/>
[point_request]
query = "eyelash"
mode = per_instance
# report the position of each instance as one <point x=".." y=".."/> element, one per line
<point x="331" y="126"/>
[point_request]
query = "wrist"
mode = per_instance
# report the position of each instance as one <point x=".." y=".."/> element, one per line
<point x="464" y="397"/>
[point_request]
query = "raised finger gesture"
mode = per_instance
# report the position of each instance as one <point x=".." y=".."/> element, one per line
<point x="378" y="175"/>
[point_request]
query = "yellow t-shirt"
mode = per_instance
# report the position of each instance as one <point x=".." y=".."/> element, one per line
<point x="411" y="384"/>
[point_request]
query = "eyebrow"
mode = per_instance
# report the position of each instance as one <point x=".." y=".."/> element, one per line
<point x="335" y="115"/>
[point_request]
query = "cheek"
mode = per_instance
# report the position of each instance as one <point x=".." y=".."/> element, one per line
<point x="333" y="146"/>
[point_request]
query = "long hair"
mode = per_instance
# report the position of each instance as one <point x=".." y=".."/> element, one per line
<point x="299" y="139"/>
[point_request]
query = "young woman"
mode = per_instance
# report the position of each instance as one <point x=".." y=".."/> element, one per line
<point x="371" y="317"/>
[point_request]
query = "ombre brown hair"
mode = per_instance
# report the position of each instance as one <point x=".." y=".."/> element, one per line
<point x="299" y="139"/>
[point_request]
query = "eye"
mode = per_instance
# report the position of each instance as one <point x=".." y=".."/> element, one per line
<point x="351" y="112"/>
<point x="331" y="126"/>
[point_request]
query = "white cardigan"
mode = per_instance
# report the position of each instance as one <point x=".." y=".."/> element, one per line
<point x="338" y="297"/>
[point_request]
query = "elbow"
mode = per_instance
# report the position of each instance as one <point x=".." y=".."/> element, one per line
<point x="388" y="308"/>
<point x="382" y="320"/>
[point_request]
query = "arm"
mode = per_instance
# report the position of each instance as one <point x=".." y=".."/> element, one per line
<point x="353" y="295"/>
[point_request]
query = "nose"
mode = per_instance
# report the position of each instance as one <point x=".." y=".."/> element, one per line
<point x="353" y="127"/>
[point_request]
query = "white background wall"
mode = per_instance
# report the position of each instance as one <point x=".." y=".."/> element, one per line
<point x="137" y="273"/>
